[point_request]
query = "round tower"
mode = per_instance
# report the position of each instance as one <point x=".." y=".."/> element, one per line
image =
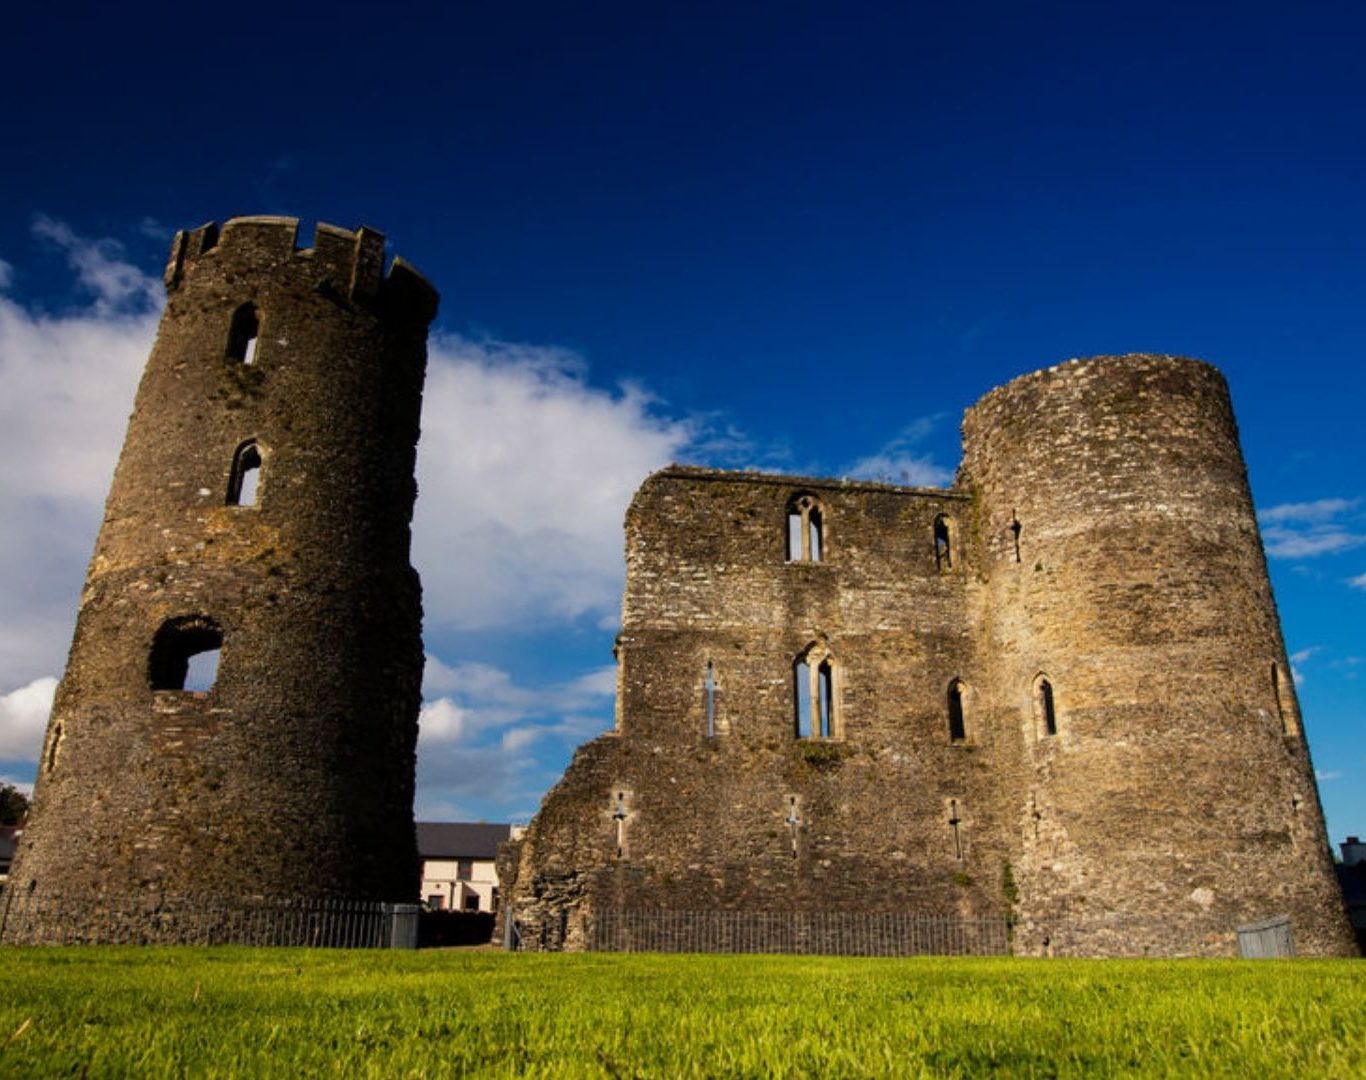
<point x="1164" y="793"/>
<point x="258" y="520"/>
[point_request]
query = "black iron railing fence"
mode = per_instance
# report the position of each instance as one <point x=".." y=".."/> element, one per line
<point x="808" y="933"/>
<point x="37" y="919"/>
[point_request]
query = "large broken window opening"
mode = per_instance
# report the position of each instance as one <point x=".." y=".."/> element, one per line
<point x="814" y="697"/>
<point x="805" y="530"/>
<point x="957" y="727"/>
<point x="243" y="334"/>
<point x="1044" y="706"/>
<point x="943" y="544"/>
<point x="245" y="479"/>
<point x="185" y="654"/>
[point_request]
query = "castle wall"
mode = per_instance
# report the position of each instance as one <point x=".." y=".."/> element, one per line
<point x="1101" y="539"/>
<point x="890" y="813"/>
<point x="292" y="776"/>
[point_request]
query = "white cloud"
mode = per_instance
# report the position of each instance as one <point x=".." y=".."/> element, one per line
<point x="6" y="274"/>
<point x="1320" y="510"/>
<point x="1358" y="582"/>
<point x="1326" y="776"/>
<point x="115" y="284"/>
<point x="66" y="386"/>
<point x="23" y="719"/>
<point x="1308" y="529"/>
<point x="899" y="462"/>
<point x="485" y="739"/>
<point x="525" y="472"/>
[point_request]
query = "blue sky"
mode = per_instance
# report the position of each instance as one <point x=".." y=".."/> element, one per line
<point x="789" y="236"/>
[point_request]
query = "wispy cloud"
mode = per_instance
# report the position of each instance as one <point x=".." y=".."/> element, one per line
<point x="901" y="460"/>
<point x="1358" y="582"/>
<point x="481" y="738"/>
<point x="115" y="284"/>
<point x="1308" y="529"/>
<point x="6" y="274"/>
<point x="1325" y="776"/>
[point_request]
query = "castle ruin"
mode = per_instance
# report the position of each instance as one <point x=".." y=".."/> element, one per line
<point x="1055" y="693"/>
<point x="259" y="514"/>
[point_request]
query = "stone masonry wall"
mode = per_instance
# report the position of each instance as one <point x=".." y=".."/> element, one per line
<point x="1173" y="799"/>
<point x="293" y="775"/>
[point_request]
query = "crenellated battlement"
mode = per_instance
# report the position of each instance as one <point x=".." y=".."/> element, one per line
<point x="352" y="262"/>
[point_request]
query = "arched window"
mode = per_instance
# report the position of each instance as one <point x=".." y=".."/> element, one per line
<point x="943" y="544"/>
<point x="805" y="529"/>
<point x="958" y="731"/>
<point x="813" y="684"/>
<point x="1045" y="708"/>
<point x="245" y="478"/>
<point x="242" y="334"/>
<point x="185" y="654"/>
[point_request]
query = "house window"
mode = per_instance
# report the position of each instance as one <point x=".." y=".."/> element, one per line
<point x="943" y="544"/>
<point x="185" y="654"/>
<point x="436" y="901"/>
<point x="957" y="728"/>
<point x="813" y="680"/>
<point x="245" y="478"/>
<point x="471" y="901"/>
<point x="242" y="335"/>
<point x="805" y="530"/>
<point x="1045" y="709"/>
<point x="464" y="869"/>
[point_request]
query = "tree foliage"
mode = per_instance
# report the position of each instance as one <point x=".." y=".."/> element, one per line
<point x="13" y="805"/>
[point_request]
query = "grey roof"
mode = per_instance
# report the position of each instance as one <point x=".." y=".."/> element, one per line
<point x="460" y="839"/>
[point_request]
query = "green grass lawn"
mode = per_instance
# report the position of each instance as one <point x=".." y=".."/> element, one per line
<point x="124" y="1011"/>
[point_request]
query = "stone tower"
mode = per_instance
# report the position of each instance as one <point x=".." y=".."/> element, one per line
<point x="259" y="516"/>
<point x="1166" y="789"/>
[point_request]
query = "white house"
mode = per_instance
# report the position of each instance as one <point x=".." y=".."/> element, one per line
<point x="458" y="869"/>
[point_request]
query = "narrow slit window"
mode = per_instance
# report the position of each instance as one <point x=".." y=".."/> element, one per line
<point x="813" y="680"/>
<point x="957" y="729"/>
<point x="1285" y="706"/>
<point x="1048" y="715"/>
<point x="245" y="478"/>
<point x="619" y="822"/>
<point x="243" y="334"/>
<point x="709" y="694"/>
<point x="943" y="547"/>
<point x="54" y="747"/>
<point x="802" y="677"/>
<point x="825" y="696"/>
<point x="185" y="655"/>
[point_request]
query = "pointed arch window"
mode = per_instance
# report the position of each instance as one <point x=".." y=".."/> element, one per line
<point x="1045" y="707"/>
<point x="244" y="481"/>
<point x="814" y="696"/>
<point x="243" y="334"/>
<point x="958" y="731"/>
<point x="805" y="529"/>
